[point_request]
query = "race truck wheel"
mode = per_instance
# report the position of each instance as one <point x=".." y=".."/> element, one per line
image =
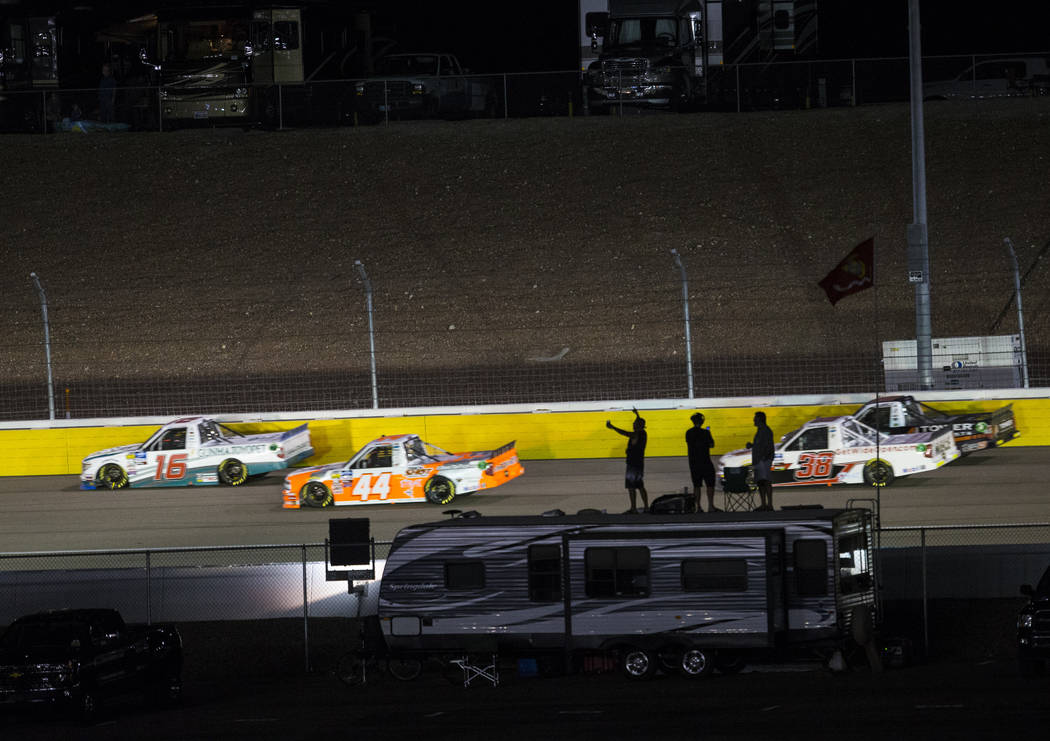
<point x="111" y="476"/>
<point x="315" y="494"/>
<point x="232" y="472"/>
<point x="878" y="472"/>
<point x="440" y="490"/>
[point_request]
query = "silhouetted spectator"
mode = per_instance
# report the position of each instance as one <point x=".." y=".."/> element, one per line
<point x="762" y="452"/>
<point x="635" y="475"/>
<point x="698" y="443"/>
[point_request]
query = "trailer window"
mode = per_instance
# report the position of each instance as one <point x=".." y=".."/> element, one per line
<point x="617" y="572"/>
<point x="545" y="573"/>
<point x="854" y="567"/>
<point x="811" y="567"/>
<point x="464" y="575"/>
<point x="714" y="575"/>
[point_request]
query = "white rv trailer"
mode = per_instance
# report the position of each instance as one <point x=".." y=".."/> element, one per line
<point x="684" y="591"/>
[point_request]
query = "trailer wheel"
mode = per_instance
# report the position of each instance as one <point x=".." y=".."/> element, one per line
<point x="232" y="472"/>
<point x="404" y="668"/>
<point x="439" y="490"/>
<point x="111" y="476"/>
<point x="315" y="494"/>
<point x="637" y="663"/>
<point x="695" y="663"/>
<point x="878" y="472"/>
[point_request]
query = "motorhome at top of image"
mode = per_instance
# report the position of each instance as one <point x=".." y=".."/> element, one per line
<point x="667" y="53"/>
<point x="234" y="62"/>
<point x="729" y="584"/>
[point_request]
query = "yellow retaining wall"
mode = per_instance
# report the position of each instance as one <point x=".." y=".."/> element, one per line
<point x="540" y="436"/>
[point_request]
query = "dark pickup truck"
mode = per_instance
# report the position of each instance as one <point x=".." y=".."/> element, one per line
<point x="76" y="658"/>
<point x="1033" y="628"/>
<point x="972" y="430"/>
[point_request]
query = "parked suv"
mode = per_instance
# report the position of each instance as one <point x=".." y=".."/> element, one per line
<point x="1033" y="627"/>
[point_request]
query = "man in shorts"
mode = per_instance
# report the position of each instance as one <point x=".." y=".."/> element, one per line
<point x="698" y="443"/>
<point x="634" y="478"/>
<point x="762" y="451"/>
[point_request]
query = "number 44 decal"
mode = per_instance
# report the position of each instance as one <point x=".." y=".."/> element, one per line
<point x="364" y="486"/>
<point x="814" y="465"/>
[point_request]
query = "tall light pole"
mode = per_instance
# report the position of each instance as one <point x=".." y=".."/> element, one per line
<point x="918" y="245"/>
<point x="688" y="333"/>
<point x="47" y="346"/>
<point x="371" y="331"/>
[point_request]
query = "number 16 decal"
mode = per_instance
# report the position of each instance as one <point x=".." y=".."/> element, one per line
<point x="175" y="468"/>
<point x="814" y="465"/>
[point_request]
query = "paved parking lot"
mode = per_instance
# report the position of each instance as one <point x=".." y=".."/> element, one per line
<point x="983" y="699"/>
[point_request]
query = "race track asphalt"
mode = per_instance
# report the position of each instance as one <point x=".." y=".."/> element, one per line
<point x="48" y="513"/>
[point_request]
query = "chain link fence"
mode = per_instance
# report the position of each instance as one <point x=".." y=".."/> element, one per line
<point x="735" y="87"/>
<point x="630" y="347"/>
<point x="278" y="595"/>
<point x="951" y="590"/>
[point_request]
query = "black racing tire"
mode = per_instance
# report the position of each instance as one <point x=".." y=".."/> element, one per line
<point x="315" y="494"/>
<point x="695" y="663"/>
<point x="439" y="490"/>
<point x="404" y="668"/>
<point x="878" y="472"/>
<point x="111" y="476"/>
<point x="232" y="472"/>
<point x="637" y="663"/>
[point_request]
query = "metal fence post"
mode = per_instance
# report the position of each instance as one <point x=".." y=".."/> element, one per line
<point x="925" y="596"/>
<point x="853" y="82"/>
<point x="736" y="70"/>
<point x="306" y="615"/>
<point x="149" y="592"/>
<point x="371" y="330"/>
<point x="47" y="346"/>
<point x="1020" y="312"/>
<point x="688" y="332"/>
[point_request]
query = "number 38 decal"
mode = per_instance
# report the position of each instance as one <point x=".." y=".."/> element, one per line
<point x="815" y="465"/>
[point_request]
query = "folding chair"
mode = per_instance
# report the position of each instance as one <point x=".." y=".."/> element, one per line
<point x="487" y="668"/>
<point x="739" y="488"/>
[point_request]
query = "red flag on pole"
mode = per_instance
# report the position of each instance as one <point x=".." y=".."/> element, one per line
<point x="855" y="273"/>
